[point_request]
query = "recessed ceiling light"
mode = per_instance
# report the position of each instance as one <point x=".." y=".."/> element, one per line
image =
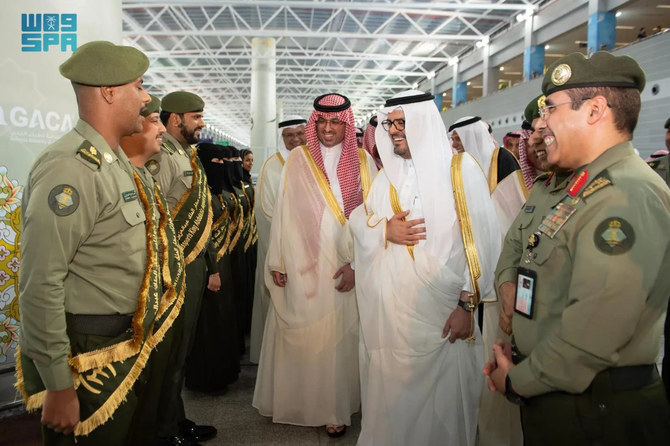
<point x="469" y="83"/>
<point x="502" y="68"/>
<point x="618" y="14"/>
<point x="546" y="47"/>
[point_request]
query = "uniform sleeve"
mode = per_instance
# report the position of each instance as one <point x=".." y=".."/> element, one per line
<point x="58" y="214"/>
<point x="166" y="176"/>
<point x="606" y="296"/>
<point x="511" y="254"/>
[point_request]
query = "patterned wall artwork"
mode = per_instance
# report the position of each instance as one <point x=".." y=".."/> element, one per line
<point x="10" y="221"/>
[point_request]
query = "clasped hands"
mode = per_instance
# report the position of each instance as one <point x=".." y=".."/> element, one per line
<point x="346" y="284"/>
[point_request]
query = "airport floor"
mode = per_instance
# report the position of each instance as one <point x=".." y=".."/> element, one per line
<point x="231" y="413"/>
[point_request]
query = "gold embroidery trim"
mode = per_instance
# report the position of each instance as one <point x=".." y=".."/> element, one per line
<point x="522" y="182"/>
<point x="465" y="224"/>
<point x="326" y="191"/>
<point x="493" y="171"/>
<point x="395" y="206"/>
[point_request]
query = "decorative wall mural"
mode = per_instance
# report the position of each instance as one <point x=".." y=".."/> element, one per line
<point x="10" y="228"/>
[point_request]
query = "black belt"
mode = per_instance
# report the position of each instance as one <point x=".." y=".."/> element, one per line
<point x="631" y="377"/>
<point x="110" y="325"/>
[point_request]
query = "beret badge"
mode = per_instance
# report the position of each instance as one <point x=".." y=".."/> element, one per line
<point x="561" y="74"/>
<point x="541" y="101"/>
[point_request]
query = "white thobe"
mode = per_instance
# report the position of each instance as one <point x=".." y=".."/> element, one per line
<point x="308" y="370"/>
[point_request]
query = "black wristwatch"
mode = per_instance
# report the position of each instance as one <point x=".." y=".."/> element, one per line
<point x="511" y="395"/>
<point x="467" y="306"/>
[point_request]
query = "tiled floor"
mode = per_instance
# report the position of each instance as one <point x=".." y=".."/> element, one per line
<point x="232" y="414"/>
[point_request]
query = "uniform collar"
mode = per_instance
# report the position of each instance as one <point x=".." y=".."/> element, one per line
<point x="177" y="145"/>
<point x="585" y="174"/>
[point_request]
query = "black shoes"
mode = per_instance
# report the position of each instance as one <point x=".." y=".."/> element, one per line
<point x="194" y="432"/>
<point x="177" y="441"/>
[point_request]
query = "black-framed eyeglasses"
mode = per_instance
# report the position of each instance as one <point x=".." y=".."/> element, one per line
<point x="547" y="110"/>
<point x="397" y="123"/>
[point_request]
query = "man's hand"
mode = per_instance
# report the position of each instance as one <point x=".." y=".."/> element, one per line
<point x="498" y="366"/>
<point x="507" y="291"/>
<point x="348" y="278"/>
<point x="459" y="323"/>
<point x="403" y="232"/>
<point x="279" y="278"/>
<point x="60" y="411"/>
<point x="214" y="282"/>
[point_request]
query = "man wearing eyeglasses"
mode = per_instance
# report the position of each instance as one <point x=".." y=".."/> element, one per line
<point x="308" y="369"/>
<point x="290" y="134"/>
<point x="426" y="242"/>
<point x="583" y="366"/>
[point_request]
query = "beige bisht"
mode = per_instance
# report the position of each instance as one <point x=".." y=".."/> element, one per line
<point x="417" y="388"/>
<point x="266" y="196"/>
<point x="308" y="369"/>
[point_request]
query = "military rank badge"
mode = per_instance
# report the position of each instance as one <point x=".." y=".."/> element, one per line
<point x="63" y="200"/>
<point x="614" y="236"/>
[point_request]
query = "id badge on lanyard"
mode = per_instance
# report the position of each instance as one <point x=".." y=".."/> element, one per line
<point x="524" y="300"/>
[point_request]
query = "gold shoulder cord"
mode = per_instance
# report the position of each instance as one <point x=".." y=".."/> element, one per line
<point x="466" y="233"/>
<point x="395" y="205"/>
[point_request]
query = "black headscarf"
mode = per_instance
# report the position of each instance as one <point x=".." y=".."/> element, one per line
<point x="235" y="169"/>
<point x="215" y="172"/>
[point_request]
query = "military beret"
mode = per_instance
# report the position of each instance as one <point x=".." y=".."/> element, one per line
<point x="102" y="63"/>
<point x="602" y="69"/>
<point x="153" y="106"/>
<point x="532" y="110"/>
<point x="182" y="102"/>
<point x="667" y="124"/>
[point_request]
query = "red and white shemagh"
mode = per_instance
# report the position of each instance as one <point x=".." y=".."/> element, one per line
<point x="370" y="146"/>
<point x="348" y="168"/>
<point x="529" y="172"/>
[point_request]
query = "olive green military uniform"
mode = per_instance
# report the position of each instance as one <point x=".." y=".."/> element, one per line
<point x="600" y="298"/>
<point x="661" y="167"/>
<point x="83" y="253"/>
<point x="172" y="170"/>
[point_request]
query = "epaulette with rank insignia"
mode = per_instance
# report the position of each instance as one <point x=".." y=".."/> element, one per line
<point x="653" y="164"/>
<point x="168" y="148"/>
<point x="542" y="176"/>
<point x="602" y="180"/>
<point x="89" y="153"/>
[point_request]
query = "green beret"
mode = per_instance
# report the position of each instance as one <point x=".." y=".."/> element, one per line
<point x="182" y="102"/>
<point x="532" y="110"/>
<point x="667" y="124"/>
<point x="602" y="69"/>
<point x="101" y="63"/>
<point x="153" y="106"/>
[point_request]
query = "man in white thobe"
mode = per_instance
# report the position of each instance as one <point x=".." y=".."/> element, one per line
<point x="308" y="370"/>
<point x="424" y="257"/>
<point x="291" y="134"/>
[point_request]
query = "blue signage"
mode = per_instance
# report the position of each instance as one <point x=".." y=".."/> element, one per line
<point x="43" y="32"/>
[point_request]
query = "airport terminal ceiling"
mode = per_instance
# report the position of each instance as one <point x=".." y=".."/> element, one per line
<point x="366" y="50"/>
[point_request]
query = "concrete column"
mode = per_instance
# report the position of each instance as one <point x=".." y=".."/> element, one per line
<point x="533" y="62"/>
<point x="601" y="31"/>
<point x="533" y="53"/>
<point x="460" y="93"/>
<point x="490" y="74"/>
<point x="263" y="100"/>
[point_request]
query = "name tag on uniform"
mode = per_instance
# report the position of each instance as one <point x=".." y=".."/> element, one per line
<point x="188" y="173"/>
<point x="129" y="195"/>
<point x="553" y="222"/>
<point x="525" y="292"/>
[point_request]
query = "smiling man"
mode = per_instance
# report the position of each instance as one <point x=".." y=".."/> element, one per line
<point x="181" y="177"/>
<point x="310" y="346"/>
<point x="588" y="330"/>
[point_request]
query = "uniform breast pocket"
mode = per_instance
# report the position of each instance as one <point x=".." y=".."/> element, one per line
<point x="187" y="181"/>
<point x="543" y="251"/>
<point x="133" y="213"/>
<point x="525" y="219"/>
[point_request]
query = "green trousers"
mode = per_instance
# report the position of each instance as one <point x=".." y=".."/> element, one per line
<point x="599" y="416"/>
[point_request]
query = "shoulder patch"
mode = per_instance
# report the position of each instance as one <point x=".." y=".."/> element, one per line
<point x="89" y="153"/>
<point x="614" y="236"/>
<point x="63" y="200"/>
<point x="168" y="148"/>
<point x="153" y="166"/>
<point x="598" y="183"/>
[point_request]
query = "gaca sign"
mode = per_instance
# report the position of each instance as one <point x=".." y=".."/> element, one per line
<point x="42" y="32"/>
